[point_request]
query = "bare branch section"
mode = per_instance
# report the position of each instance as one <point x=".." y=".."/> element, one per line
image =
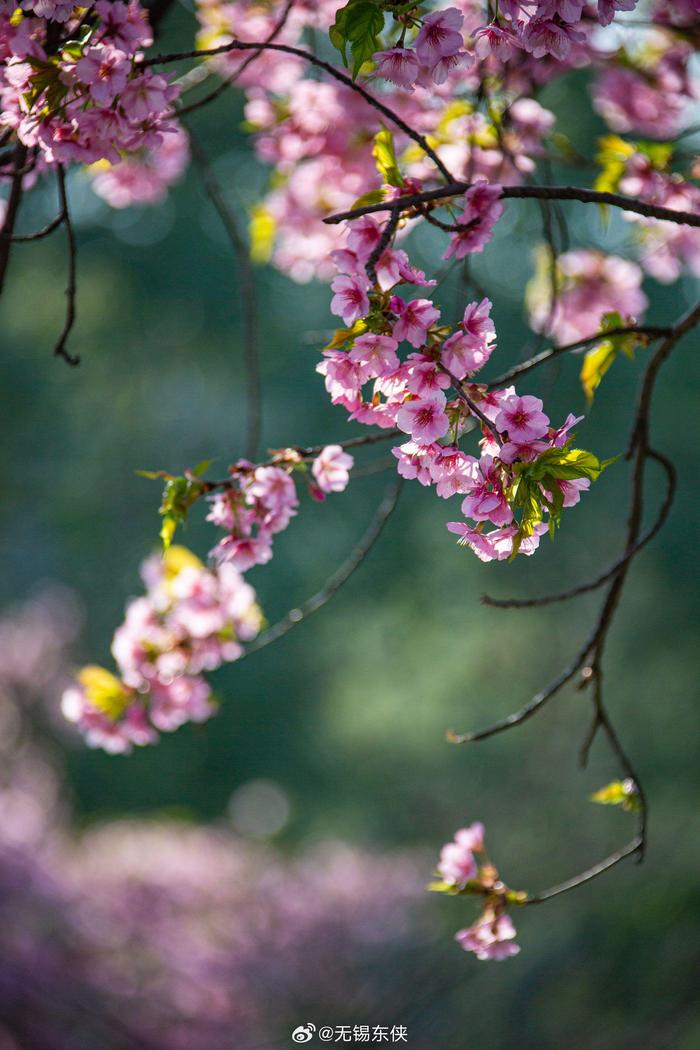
<point x="547" y="193"/>
<point x="71" y="288"/>
<point x="592" y="585"/>
<point x="308" y="56"/>
<point x="647" y="330"/>
<point x="339" y="577"/>
<point x="230" y="81"/>
<point x="13" y="203"/>
<point x="248" y="297"/>
<point x="587" y="876"/>
<point x="588" y="664"/>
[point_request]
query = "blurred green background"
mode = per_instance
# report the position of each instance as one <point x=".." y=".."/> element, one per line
<point x="347" y="715"/>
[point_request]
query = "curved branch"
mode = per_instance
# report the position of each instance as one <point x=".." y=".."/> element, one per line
<point x="338" y="578"/>
<point x="635" y="846"/>
<point x="71" y="288"/>
<point x="561" y="193"/>
<point x="592" y="585"/>
<point x="22" y="238"/>
<point x="649" y="330"/>
<point x="230" y="81"/>
<point x="247" y="298"/>
<point x="307" y="56"/>
<point x="531" y="708"/>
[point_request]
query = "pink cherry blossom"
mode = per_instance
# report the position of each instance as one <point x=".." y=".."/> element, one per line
<point x="522" y="418"/>
<point x="399" y="65"/>
<point x="415" y="317"/>
<point x="424" y="419"/>
<point x="331" y="469"/>
<point x="350" y="300"/>
<point x="491" y="937"/>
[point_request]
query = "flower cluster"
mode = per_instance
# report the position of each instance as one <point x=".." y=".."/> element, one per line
<point x="193" y="619"/>
<point x="261" y="501"/>
<point x="465" y="871"/>
<point x="190" y="620"/>
<point x="527" y="471"/>
<point x="73" y="91"/>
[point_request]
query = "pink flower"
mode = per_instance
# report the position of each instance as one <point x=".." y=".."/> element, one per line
<point x="542" y="37"/>
<point x="274" y="488"/>
<point x="522" y="418"/>
<point x="331" y="469"/>
<point x="453" y="471"/>
<point x="414" y="461"/>
<point x="243" y="552"/>
<point x="486" y="500"/>
<point x="468" y="350"/>
<point x="457" y="864"/>
<point x="363" y="236"/>
<point x="415" y="317"/>
<point x="350" y="300"/>
<point x="375" y="355"/>
<point x="482" y="210"/>
<point x="496" y="40"/>
<point x="399" y="65"/>
<point x="491" y="937"/>
<point x="440" y="36"/>
<point x="105" y="70"/>
<point x="424" y="419"/>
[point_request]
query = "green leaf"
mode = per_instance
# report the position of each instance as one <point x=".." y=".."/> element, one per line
<point x="599" y="358"/>
<point x="358" y="25"/>
<point x="104" y="690"/>
<point x="384" y="154"/>
<point x="372" y="197"/>
<point x="595" y="364"/>
<point x="178" y="496"/>
<point x="619" y="793"/>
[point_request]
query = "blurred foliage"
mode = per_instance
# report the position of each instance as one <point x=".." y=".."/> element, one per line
<point x="347" y="715"/>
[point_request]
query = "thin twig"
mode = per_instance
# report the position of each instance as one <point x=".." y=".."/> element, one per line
<point x="248" y="298"/>
<point x="562" y="193"/>
<point x="338" y="578"/>
<point x="592" y="585"/>
<point x="592" y="873"/>
<point x="307" y="56"/>
<point x="22" y="238"/>
<point x="650" y="331"/>
<point x="13" y="203"/>
<point x="71" y="288"/>
<point x="231" y="80"/>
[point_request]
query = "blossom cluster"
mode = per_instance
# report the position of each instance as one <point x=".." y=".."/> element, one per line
<point x="523" y="462"/>
<point x="192" y="618"/>
<point x="465" y="870"/>
<point x="72" y="91"/>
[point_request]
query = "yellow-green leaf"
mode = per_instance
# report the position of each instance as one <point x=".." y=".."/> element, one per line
<point x="384" y="155"/>
<point x="618" y="793"/>
<point x="104" y="690"/>
<point x="595" y="364"/>
<point x="262" y="231"/>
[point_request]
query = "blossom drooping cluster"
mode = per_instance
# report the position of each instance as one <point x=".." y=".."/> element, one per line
<point x="465" y="871"/>
<point x="527" y="471"/>
<point x="193" y="619"/>
<point x="72" y="91"/>
<point x="190" y="620"/>
<point x="261" y="501"/>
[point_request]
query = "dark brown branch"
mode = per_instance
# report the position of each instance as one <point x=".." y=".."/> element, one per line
<point x="13" y="204"/>
<point x="23" y="238"/>
<point x="247" y="298"/>
<point x="586" y="876"/>
<point x="338" y="578"/>
<point x="307" y="56"/>
<point x="531" y="708"/>
<point x="592" y="585"/>
<point x="651" y="331"/>
<point x="231" y="80"/>
<point x="71" y="288"/>
<point x="561" y="193"/>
